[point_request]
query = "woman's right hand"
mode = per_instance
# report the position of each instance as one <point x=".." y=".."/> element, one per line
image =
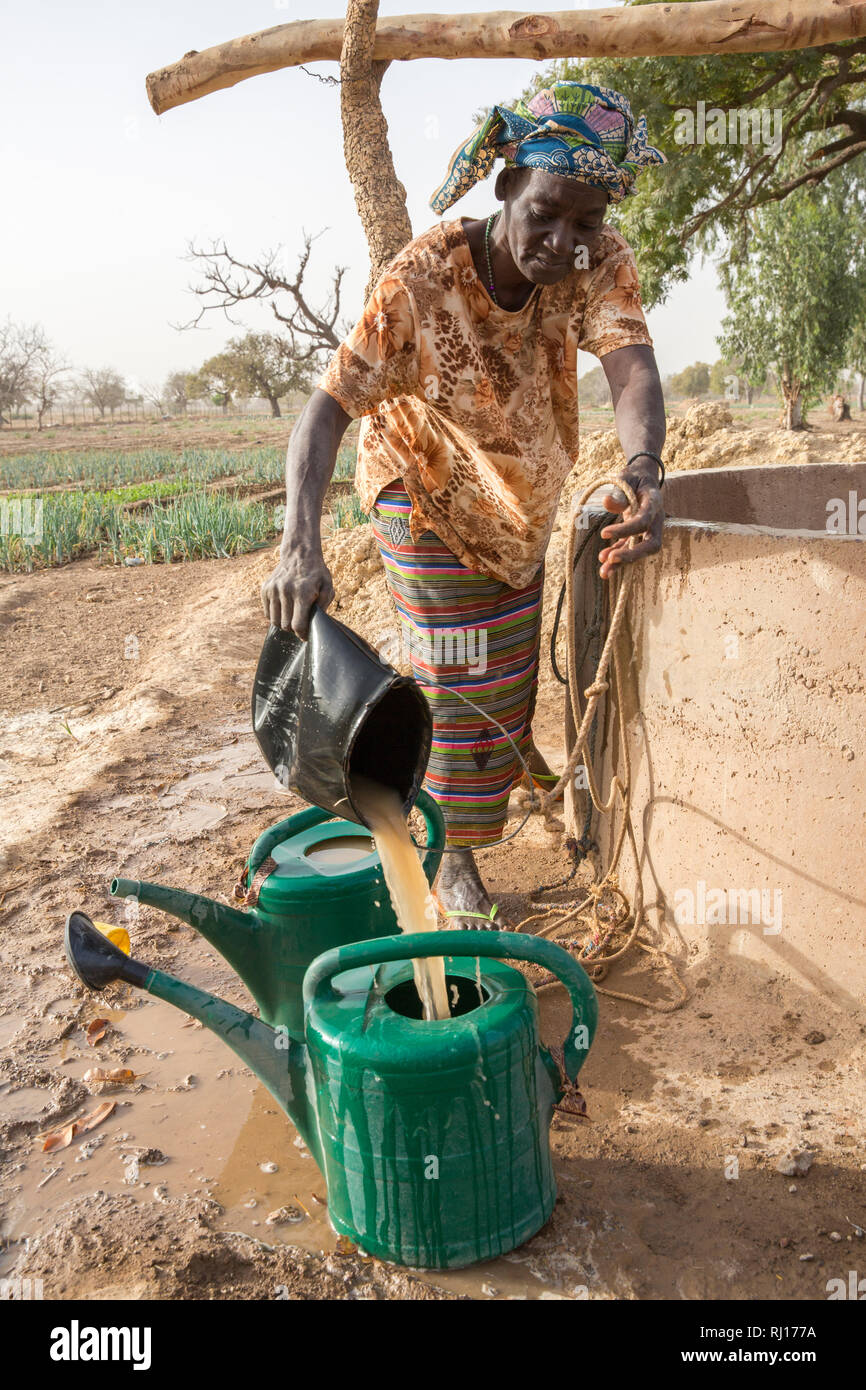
<point x="300" y="579"/>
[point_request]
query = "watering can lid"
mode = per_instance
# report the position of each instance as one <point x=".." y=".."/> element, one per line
<point x="331" y="701"/>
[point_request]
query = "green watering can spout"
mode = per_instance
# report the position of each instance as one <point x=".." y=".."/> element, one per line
<point x="215" y="921"/>
<point x="277" y="1059"/>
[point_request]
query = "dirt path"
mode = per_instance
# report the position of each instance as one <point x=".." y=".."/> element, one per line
<point x="129" y="751"/>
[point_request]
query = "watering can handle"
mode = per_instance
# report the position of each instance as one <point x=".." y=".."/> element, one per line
<point x="435" y="823"/>
<point x="292" y="825"/>
<point x="314" y="815"/>
<point x="497" y="944"/>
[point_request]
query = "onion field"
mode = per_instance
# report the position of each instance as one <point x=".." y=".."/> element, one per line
<point x="148" y="506"/>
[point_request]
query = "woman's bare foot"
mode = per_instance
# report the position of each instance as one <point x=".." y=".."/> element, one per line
<point x="459" y="889"/>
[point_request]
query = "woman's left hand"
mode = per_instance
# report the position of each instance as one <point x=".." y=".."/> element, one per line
<point x="647" y="522"/>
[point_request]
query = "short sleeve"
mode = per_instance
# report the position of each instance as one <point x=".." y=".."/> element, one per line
<point x="379" y="359"/>
<point x="613" y="316"/>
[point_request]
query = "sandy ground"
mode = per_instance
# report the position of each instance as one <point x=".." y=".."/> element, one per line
<point x="178" y="432"/>
<point x="126" y="748"/>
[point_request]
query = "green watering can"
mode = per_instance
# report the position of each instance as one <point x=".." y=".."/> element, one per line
<point x="324" y="887"/>
<point x="432" y="1136"/>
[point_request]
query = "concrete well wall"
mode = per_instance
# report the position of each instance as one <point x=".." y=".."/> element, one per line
<point x="746" y="721"/>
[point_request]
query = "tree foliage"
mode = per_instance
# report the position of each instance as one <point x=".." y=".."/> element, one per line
<point x="796" y="296"/>
<point x="691" y="381"/>
<point x="213" y="381"/>
<point x="594" y="389"/>
<point x="701" y="200"/>
<point x="729" y="380"/>
<point x="855" y="355"/>
<point x="258" y="364"/>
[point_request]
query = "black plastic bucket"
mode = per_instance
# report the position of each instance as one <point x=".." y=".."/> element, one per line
<point x="328" y="709"/>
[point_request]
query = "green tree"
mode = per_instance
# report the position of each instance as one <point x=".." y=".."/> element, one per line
<point x="214" y="380"/>
<point x="594" y="389"/>
<point x="259" y="364"/>
<point x="791" y="306"/>
<point x="728" y="380"/>
<point x="720" y="377"/>
<point x="691" y="381"/>
<point x="264" y="365"/>
<point x="809" y="123"/>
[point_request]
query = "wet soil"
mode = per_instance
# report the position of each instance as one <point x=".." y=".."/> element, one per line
<point x="125" y="748"/>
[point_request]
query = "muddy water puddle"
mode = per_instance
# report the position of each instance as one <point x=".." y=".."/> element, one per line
<point x="194" y="1123"/>
<point x="299" y="1186"/>
<point x="202" y="798"/>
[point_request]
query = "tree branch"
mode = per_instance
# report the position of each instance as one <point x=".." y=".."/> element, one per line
<point x="229" y="282"/>
<point x="711" y="26"/>
<point x="759" y="171"/>
<point x="769" y="82"/>
<point x="813" y="176"/>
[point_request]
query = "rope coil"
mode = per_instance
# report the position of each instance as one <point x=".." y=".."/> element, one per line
<point x="601" y="895"/>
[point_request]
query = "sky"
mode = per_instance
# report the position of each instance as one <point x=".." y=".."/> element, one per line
<point x="102" y="197"/>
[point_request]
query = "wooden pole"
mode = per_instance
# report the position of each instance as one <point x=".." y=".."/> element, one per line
<point x="711" y="26"/>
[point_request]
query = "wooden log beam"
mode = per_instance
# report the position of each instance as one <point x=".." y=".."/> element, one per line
<point x="711" y="26"/>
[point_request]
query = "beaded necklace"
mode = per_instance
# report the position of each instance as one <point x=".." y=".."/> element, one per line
<point x="492" y="288"/>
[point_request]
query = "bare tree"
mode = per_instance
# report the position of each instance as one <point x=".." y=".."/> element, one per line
<point x="21" y="347"/>
<point x="49" y="373"/>
<point x="103" y="388"/>
<point x="228" y="282"/>
<point x="380" y="198"/>
<point x="175" y="392"/>
<point x="153" y="392"/>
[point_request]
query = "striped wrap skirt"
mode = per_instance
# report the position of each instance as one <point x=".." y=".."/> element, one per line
<point x="467" y="632"/>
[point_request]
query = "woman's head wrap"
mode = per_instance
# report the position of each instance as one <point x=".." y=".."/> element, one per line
<point x="570" y="129"/>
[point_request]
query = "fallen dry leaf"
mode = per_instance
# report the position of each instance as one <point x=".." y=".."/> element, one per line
<point x="97" y="1079"/>
<point x="62" y="1138"/>
<point x="96" y="1031"/>
<point x="96" y="1116"/>
<point x="59" y="1139"/>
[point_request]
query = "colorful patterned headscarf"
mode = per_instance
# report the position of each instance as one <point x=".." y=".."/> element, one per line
<point x="570" y="129"/>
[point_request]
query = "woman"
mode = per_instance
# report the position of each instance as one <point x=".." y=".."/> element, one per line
<point x="464" y="369"/>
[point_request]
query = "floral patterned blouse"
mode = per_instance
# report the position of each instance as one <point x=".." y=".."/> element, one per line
<point x="473" y="406"/>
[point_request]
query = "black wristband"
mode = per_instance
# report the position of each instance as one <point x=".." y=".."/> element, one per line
<point x="645" y="454"/>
